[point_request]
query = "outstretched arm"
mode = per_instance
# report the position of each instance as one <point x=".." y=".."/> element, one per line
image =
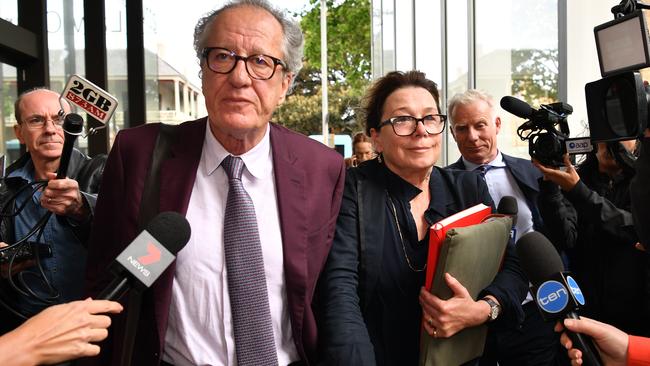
<point x="59" y="333"/>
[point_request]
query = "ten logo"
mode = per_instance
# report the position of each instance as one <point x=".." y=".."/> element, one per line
<point x="575" y="290"/>
<point x="552" y="297"/>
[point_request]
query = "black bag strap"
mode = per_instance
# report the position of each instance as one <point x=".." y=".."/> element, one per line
<point x="149" y="207"/>
<point x="150" y="201"/>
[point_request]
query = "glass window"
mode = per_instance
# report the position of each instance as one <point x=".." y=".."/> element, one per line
<point x="405" y="53"/>
<point x="457" y="65"/>
<point x="116" y="62"/>
<point x="9" y="11"/>
<point x="66" y="44"/>
<point x="388" y="35"/>
<point x="428" y="47"/>
<point x="8" y="143"/>
<point x="173" y="92"/>
<point x="517" y="55"/>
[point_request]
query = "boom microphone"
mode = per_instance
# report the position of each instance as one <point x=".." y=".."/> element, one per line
<point x="149" y="255"/>
<point x="556" y="293"/>
<point x="72" y="126"/>
<point x="517" y="107"/>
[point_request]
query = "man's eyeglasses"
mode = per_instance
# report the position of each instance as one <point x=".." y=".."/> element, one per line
<point x="36" y="121"/>
<point x="223" y="61"/>
<point x="406" y="125"/>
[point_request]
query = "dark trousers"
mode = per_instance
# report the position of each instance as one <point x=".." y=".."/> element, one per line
<point x="534" y="344"/>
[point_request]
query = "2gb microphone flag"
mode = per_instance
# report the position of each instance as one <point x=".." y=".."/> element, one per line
<point x="85" y="95"/>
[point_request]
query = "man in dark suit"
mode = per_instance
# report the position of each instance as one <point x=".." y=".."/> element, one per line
<point x="294" y="184"/>
<point x="475" y="125"/>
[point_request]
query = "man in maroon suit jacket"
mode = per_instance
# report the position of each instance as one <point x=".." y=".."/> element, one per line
<point x="185" y="316"/>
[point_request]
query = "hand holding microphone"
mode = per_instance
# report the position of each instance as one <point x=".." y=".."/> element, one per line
<point x="148" y="255"/>
<point x="556" y="293"/>
<point x="612" y="343"/>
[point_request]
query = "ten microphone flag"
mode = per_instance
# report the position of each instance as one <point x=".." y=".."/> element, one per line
<point x="469" y="216"/>
<point x="473" y="255"/>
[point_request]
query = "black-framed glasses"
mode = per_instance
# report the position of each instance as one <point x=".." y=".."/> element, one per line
<point x="406" y="125"/>
<point x="223" y="61"/>
<point x="36" y="121"/>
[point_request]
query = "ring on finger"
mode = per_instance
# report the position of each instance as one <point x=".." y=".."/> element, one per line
<point x="435" y="333"/>
<point x="430" y="321"/>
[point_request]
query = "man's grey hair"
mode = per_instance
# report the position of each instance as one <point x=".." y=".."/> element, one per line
<point x="292" y="44"/>
<point x="466" y="98"/>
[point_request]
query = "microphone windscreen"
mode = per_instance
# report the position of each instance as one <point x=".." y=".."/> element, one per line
<point x="517" y="107"/>
<point x="73" y="123"/>
<point x="171" y="229"/>
<point x="538" y="257"/>
<point x="508" y="206"/>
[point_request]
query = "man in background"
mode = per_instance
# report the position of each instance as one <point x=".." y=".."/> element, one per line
<point x="53" y="279"/>
<point x="475" y="125"/>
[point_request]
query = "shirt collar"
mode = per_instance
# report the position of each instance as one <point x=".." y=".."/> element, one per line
<point x="256" y="159"/>
<point x="25" y="172"/>
<point x="497" y="161"/>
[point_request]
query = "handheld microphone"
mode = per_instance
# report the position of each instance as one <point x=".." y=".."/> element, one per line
<point x="508" y="206"/>
<point x="556" y="292"/>
<point x="72" y="126"/>
<point x="149" y="255"/>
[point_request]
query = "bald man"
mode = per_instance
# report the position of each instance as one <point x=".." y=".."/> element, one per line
<point x="57" y="278"/>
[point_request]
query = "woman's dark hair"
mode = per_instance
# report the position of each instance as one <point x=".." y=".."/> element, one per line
<point x="372" y="105"/>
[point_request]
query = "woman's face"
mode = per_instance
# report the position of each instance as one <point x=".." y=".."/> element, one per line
<point x="412" y="154"/>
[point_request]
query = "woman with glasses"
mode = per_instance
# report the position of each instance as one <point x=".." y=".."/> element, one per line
<point x="371" y="291"/>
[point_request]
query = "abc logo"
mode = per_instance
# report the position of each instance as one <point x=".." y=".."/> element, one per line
<point x="575" y="290"/>
<point x="552" y="297"/>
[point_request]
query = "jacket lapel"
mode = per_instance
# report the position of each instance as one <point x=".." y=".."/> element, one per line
<point x="291" y="196"/>
<point x="177" y="175"/>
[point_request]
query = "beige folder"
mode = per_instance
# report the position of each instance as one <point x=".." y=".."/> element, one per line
<point x="473" y="255"/>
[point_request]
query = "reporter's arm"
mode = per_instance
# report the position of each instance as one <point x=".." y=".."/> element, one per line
<point x="59" y="333"/>
<point x="611" y="342"/>
<point x="638" y="351"/>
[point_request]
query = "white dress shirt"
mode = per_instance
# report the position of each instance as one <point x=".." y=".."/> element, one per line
<point x="501" y="183"/>
<point x="200" y="329"/>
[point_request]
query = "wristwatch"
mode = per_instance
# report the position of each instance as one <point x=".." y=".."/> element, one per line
<point x="495" y="309"/>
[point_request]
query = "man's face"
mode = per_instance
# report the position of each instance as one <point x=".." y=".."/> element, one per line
<point x="44" y="143"/>
<point x="239" y="106"/>
<point x="475" y="129"/>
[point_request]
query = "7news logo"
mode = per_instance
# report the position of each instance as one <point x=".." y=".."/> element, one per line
<point x="153" y="255"/>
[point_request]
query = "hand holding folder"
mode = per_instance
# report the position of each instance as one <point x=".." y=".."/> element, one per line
<point x="473" y="255"/>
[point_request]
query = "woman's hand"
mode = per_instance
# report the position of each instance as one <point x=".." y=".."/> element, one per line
<point x="444" y="318"/>
<point x="610" y="341"/>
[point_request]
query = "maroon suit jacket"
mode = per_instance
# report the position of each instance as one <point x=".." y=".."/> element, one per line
<point x="309" y="181"/>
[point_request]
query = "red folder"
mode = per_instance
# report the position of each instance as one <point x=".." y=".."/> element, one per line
<point x="467" y="217"/>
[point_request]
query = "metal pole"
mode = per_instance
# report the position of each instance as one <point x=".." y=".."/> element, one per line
<point x="323" y="69"/>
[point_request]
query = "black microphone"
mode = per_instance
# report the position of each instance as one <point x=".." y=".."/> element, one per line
<point x="508" y="206"/>
<point x="149" y="255"/>
<point x="517" y="107"/>
<point x="72" y="127"/>
<point x="556" y="292"/>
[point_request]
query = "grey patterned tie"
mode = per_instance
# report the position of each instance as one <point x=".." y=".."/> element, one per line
<point x="254" y="343"/>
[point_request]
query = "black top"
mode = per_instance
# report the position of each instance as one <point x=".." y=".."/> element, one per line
<point x="369" y="313"/>
<point x="592" y="222"/>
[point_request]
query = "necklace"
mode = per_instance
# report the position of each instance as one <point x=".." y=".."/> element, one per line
<point x="401" y="237"/>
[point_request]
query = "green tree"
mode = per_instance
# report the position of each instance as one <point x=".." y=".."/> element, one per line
<point x="535" y="74"/>
<point x="349" y="72"/>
